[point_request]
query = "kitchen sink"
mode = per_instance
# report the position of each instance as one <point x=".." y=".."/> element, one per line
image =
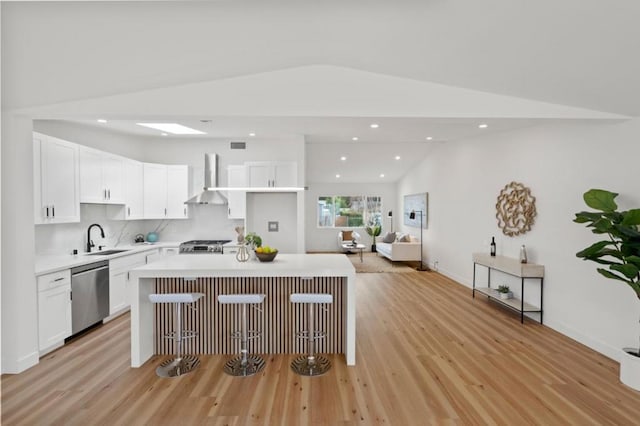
<point x="105" y="252"/>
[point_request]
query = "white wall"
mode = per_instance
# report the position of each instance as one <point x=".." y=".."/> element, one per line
<point x="559" y="163"/>
<point x="325" y="239"/>
<point x="279" y="207"/>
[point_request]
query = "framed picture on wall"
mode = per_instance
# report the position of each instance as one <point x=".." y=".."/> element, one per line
<point x="416" y="203"/>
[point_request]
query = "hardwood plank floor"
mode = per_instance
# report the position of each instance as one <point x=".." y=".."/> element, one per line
<point x="427" y="353"/>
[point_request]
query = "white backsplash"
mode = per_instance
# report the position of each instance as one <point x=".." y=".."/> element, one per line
<point x="205" y="222"/>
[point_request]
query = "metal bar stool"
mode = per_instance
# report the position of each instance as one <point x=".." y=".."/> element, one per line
<point x="181" y="364"/>
<point x="310" y="364"/>
<point x="245" y="364"/>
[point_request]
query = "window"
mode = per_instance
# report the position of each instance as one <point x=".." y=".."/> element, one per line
<point x="343" y="211"/>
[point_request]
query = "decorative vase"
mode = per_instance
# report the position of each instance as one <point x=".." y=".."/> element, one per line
<point x="243" y="253"/>
<point x="630" y="368"/>
<point x="152" y="237"/>
<point x="507" y="295"/>
<point x="523" y="254"/>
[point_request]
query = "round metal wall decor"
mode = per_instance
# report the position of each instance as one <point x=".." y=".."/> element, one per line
<point x="515" y="209"/>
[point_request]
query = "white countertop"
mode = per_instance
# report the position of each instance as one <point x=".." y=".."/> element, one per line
<point x="51" y="262"/>
<point x="197" y="265"/>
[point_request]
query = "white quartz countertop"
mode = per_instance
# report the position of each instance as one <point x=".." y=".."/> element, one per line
<point x="198" y="265"/>
<point x="56" y="262"/>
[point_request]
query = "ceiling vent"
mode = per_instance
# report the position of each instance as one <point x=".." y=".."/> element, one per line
<point x="238" y="145"/>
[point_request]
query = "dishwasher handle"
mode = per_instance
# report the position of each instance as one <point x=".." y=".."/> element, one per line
<point x="91" y="267"/>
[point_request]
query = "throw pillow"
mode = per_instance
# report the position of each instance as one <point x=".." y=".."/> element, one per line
<point x="406" y="238"/>
<point x="347" y="235"/>
<point x="389" y="237"/>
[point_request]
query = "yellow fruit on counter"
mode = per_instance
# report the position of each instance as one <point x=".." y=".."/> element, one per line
<point x="259" y="249"/>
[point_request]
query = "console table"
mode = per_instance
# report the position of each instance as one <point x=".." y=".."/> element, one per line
<point x="510" y="266"/>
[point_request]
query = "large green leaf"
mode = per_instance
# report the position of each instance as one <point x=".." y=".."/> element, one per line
<point x="631" y="217"/>
<point x="628" y="270"/>
<point x="627" y="231"/>
<point x="594" y="249"/>
<point x="633" y="259"/>
<point x="603" y="225"/>
<point x="583" y="217"/>
<point x="611" y="275"/>
<point x="600" y="199"/>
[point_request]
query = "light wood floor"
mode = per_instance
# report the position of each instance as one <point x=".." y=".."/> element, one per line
<point x="427" y="353"/>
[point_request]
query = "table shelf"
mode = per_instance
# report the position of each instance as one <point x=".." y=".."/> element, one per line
<point x="510" y="266"/>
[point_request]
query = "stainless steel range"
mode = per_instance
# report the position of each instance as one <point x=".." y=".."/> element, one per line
<point x="202" y="246"/>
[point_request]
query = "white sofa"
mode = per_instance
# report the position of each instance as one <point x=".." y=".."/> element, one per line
<point x="398" y="251"/>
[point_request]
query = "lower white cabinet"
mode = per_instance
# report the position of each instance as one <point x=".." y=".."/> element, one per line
<point x="54" y="310"/>
<point x="119" y="268"/>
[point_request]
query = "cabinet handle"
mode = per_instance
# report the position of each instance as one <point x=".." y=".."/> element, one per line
<point x="53" y="211"/>
<point x="109" y="192"/>
<point x="47" y="209"/>
<point x="104" y="194"/>
<point x="185" y="212"/>
<point x="165" y="211"/>
<point x="58" y="279"/>
<point x="128" y="211"/>
<point x="229" y="211"/>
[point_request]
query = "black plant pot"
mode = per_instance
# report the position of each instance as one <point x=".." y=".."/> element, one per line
<point x="373" y="248"/>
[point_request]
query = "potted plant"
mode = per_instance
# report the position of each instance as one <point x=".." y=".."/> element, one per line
<point x="619" y="255"/>
<point x="373" y="230"/>
<point x="504" y="292"/>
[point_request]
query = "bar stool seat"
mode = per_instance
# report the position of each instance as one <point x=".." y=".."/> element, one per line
<point x="180" y="364"/>
<point x="245" y="364"/>
<point x="310" y="364"/>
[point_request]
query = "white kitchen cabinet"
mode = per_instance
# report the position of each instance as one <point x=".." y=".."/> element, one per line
<point x="54" y="309"/>
<point x="56" y="180"/>
<point x="271" y="174"/>
<point x="101" y="177"/>
<point x="166" y="188"/>
<point x="177" y="191"/>
<point x="237" y="200"/>
<point x="133" y="190"/>
<point x="119" y="283"/>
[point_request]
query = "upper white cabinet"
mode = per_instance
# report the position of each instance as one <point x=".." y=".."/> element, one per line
<point x="101" y="177"/>
<point x="237" y="178"/>
<point x="133" y="190"/>
<point x="56" y="183"/>
<point x="271" y="174"/>
<point x="166" y="188"/>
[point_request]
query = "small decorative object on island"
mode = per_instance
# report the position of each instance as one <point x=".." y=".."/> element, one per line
<point x="504" y="292"/>
<point x="240" y="231"/>
<point x="253" y="240"/>
<point x="620" y="252"/>
<point x="493" y="246"/>
<point x="523" y="254"/>
<point x="243" y="253"/>
<point x="515" y="209"/>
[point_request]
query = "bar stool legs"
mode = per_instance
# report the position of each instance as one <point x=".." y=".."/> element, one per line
<point x="311" y="364"/>
<point x="181" y="364"/>
<point x="245" y="364"/>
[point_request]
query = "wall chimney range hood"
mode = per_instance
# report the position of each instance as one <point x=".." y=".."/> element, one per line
<point x="210" y="195"/>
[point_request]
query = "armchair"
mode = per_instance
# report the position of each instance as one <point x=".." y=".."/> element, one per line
<point x="347" y="236"/>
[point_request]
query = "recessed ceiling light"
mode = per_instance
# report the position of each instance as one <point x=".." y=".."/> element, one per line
<point x="374" y="126"/>
<point x="429" y="138"/>
<point x="483" y="126"/>
<point x="397" y="157"/>
<point x="164" y="134"/>
<point x="343" y="158"/>
<point x="175" y="128"/>
<point x="102" y="120"/>
<point x="252" y="134"/>
<point x="355" y="138"/>
<point x="381" y="175"/>
<point x="338" y="176"/>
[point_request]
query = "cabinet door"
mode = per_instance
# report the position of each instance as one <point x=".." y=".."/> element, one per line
<point x="285" y="174"/>
<point x="155" y="191"/>
<point x="118" y="297"/>
<point x="177" y="191"/>
<point x="237" y="178"/>
<point x="259" y="174"/>
<point x="54" y="316"/>
<point x="134" y="190"/>
<point x="59" y="184"/>
<point x="91" y="187"/>
<point x="113" y="178"/>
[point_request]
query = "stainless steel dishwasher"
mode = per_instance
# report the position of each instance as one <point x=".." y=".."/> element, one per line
<point x="89" y="295"/>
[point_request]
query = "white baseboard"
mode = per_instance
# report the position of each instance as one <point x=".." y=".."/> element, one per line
<point x="21" y="364"/>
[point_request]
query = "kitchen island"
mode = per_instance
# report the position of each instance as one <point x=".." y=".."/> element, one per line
<point x="279" y="319"/>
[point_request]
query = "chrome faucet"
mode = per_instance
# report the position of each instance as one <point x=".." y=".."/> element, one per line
<point x="89" y="240"/>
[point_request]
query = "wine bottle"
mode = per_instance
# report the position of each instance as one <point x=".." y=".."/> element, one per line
<point x="493" y="246"/>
